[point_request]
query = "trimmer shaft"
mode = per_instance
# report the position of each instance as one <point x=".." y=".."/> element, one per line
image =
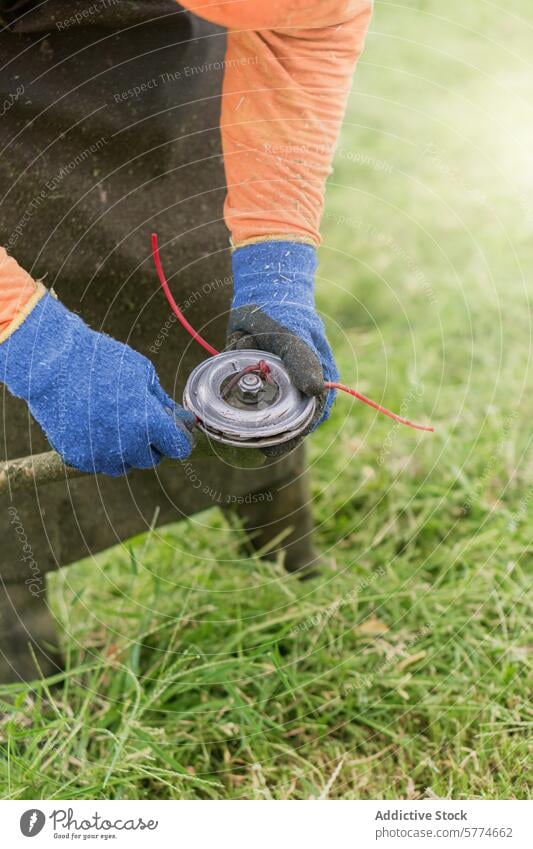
<point x="251" y="408"/>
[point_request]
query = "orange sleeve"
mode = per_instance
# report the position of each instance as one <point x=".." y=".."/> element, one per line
<point x="17" y="290"/>
<point x="287" y="75"/>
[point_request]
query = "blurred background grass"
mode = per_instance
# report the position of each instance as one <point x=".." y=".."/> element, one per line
<point x="402" y="671"/>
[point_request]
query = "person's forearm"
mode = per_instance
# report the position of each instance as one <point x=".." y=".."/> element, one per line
<point x="279" y="131"/>
<point x="287" y="75"/>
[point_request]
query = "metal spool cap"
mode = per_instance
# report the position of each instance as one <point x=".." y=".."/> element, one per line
<point x="246" y="411"/>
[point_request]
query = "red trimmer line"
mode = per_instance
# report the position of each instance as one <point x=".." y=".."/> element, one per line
<point x="175" y="309"/>
<point x="213" y="351"/>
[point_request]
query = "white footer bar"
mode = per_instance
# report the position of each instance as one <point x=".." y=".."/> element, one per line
<point x="267" y="824"/>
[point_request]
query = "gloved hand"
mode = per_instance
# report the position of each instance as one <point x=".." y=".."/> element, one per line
<point x="98" y="401"/>
<point x="273" y="310"/>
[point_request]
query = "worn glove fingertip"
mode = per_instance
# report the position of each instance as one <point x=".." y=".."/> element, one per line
<point x="185" y="419"/>
<point x="310" y="384"/>
<point x="304" y="368"/>
<point x="247" y="342"/>
<point x="190" y="437"/>
<point x="239" y="341"/>
<point x="181" y="437"/>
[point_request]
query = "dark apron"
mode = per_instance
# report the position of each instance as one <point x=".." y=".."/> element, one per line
<point x="109" y="130"/>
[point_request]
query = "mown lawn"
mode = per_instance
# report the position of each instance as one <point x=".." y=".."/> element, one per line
<point x="402" y="671"/>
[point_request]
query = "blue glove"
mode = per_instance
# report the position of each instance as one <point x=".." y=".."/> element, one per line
<point x="274" y="310"/>
<point x="98" y="401"/>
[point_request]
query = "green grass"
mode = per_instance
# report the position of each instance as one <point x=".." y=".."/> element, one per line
<point x="401" y="672"/>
